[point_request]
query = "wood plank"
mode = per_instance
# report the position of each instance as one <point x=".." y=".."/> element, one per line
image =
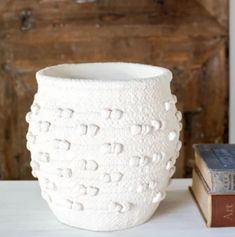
<point x="217" y="9"/>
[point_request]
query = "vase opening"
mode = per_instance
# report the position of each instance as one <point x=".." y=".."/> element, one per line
<point x="109" y="71"/>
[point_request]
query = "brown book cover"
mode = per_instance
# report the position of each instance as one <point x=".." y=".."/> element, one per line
<point x="223" y="210"/>
<point x="217" y="210"/>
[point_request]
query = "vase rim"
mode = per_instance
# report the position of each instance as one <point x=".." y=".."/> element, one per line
<point x="108" y="72"/>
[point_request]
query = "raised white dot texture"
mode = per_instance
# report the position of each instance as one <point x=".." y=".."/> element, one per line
<point x="92" y="191"/>
<point x="152" y="185"/>
<point x="77" y="206"/>
<point x="106" y="178"/>
<point x="65" y="112"/>
<point x="61" y="144"/>
<point x="50" y="185"/>
<point x="157" y="124"/>
<point x="105" y="148"/>
<point x="116" y="114"/>
<point x="105" y="113"/>
<point x="125" y="207"/>
<point x="44" y="126"/>
<point x="138" y="129"/>
<point x="172" y="171"/>
<point x="158" y="197"/>
<point x="46" y="196"/>
<point x="178" y="115"/>
<point x="88" y="129"/>
<point x="180" y="126"/>
<point x="179" y="145"/>
<point x="67" y="203"/>
<point x="141" y="188"/>
<point x="82" y="164"/>
<point x="64" y="145"/>
<point x="82" y="190"/>
<point x="82" y="129"/>
<point x="174" y="98"/>
<point x="31" y="138"/>
<point x="34" y="174"/>
<point x="59" y="172"/>
<point x="115" y="148"/>
<point x="35" y="108"/>
<point x="167" y="106"/>
<point x="28" y="117"/>
<point x="172" y="136"/>
<point x="176" y="155"/>
<point x="134" y="161"/>
<point x="169" y="164"/>
<point x="93" y="129"/>
<point x="146" y="129"/>
<point x="143" y="160"/>
<point x="91" y="165"/>
<point x="35" y="165"/>
<point x="64" y="172"/>
<point x="157" y="157"/>
<point x="146" y="168"/>
<point x="116" y="176"/>
<point x="114" y="206"/>
<point x="43" y="157"/>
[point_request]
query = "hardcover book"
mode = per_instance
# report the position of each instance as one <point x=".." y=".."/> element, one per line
<point x="216" y="163"/>
<point x="217" y="210"/>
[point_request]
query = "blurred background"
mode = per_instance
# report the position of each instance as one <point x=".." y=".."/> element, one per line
<point x="190" y="37"/>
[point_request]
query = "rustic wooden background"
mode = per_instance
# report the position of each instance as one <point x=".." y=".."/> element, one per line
<point x="187" y="36"/>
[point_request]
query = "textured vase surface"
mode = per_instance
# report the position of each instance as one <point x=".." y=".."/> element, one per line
<point x="104" y="138"/>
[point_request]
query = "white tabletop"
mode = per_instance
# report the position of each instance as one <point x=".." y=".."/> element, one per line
<point x="24" y="213"/>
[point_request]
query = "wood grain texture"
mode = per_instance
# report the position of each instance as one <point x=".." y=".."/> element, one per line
<point x="217" y="9"/>
<point x="187" y="40"/>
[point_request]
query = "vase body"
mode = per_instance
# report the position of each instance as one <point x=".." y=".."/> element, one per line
<point x="104" y="138"/>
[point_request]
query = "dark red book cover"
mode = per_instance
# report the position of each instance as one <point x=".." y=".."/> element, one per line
<point x="223" y="210"/>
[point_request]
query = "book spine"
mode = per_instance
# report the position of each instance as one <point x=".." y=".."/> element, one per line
<point x="223" y="182"/>
<point x="223" y="211"/>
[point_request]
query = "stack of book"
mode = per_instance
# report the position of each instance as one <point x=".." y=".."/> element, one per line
<point x="213" y="186"/>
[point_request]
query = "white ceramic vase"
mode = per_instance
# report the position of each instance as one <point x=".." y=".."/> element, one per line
<point x="104" y="138"/>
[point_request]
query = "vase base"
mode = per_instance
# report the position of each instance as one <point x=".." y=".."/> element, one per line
<point x="93" y="221"/>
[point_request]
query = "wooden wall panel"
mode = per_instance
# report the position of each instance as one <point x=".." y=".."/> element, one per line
<point x="188" y="40"/>
<point x="209" y="121"/>
<point x="217" y="9"/>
